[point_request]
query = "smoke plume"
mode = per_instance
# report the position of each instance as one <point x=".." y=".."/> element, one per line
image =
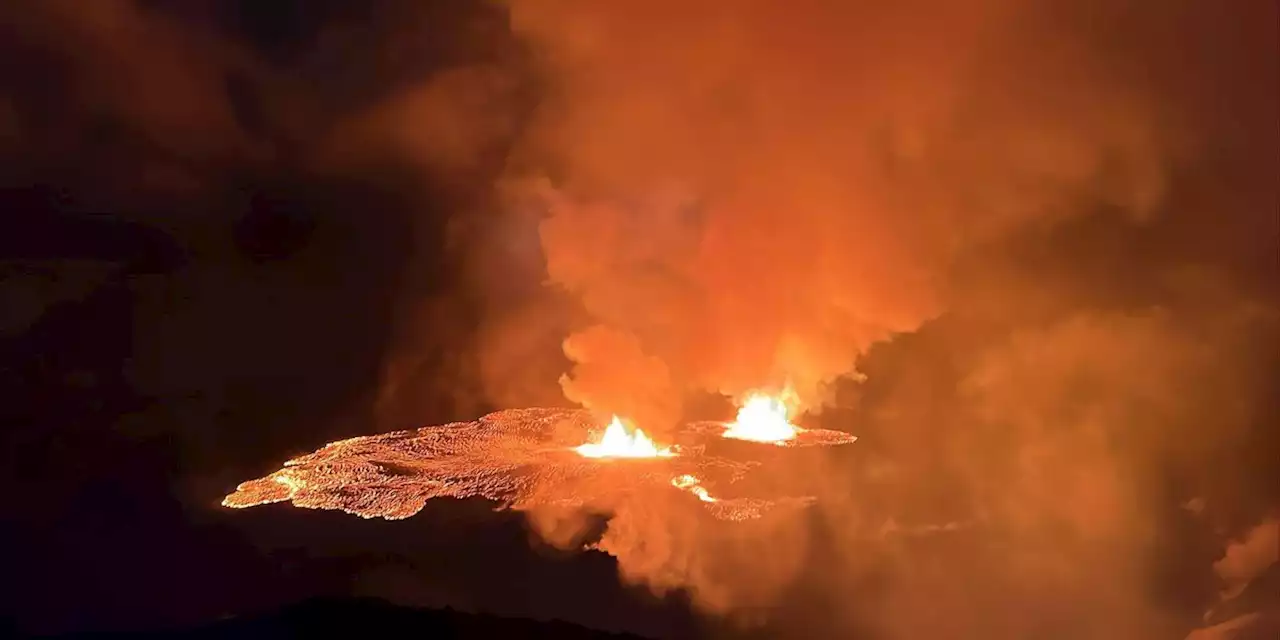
<point x="753" y="193"/>
<point x="768" y="195"/>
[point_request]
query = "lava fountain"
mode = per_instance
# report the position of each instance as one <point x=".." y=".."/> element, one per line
<point x="762" y="419"/>
<point x="616" y="442"/>
<point x="765" y="419"/>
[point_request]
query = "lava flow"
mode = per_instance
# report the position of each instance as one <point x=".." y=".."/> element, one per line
<point x="523" y="458"/>
<point x="519" y="458"/>
<point x="692" y="485"/>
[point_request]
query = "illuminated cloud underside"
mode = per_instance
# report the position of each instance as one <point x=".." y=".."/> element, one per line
<point x="520" y="458"/>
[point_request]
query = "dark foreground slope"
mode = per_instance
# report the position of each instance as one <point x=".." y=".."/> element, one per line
<point x="368" y="618"/>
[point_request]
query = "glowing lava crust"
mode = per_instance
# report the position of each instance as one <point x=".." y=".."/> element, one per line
<point x="523" y="458"/>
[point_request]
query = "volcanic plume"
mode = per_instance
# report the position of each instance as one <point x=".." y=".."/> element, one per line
<point x="1022" y="232"/>
<point x="1009" y="198"/>
<point x="778" y="186"/>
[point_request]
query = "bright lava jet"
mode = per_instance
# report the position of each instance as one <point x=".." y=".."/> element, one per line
<point x="762" y="419"/>
<point x="765" y="419"/>
<point x="617" y="443"/>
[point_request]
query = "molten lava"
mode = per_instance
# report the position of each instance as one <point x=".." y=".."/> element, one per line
<point x="692" y="485"/>
<point x="286" y="479"/>
<point x="617" y="443"/>
<point x="762" y="419"/>
<point x="520" y="459"/>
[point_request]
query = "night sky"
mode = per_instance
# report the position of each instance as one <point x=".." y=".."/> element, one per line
<point x="181" y="312"/>
<point x="232" y="233"/>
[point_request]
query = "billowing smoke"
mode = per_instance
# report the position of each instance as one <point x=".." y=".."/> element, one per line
<point x="1040" y="487"/>
<point x="753" y="193"/>
<point x="768" y="195"/>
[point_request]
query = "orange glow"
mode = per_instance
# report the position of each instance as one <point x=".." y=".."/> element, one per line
<point x="617" y="443"/>
<point x="268" y="489"/>
<point x="762" y="418"/>
<point x="692" y="485"/>
<point x="289" y="481"/>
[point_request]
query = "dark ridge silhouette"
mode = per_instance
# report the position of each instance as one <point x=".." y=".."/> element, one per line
<point x="371" y="618"/>
<point x="45" y="223"/>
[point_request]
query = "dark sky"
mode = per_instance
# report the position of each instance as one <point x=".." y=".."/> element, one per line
<point x="186" y="301"/>
<point x="225" y="221"/>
